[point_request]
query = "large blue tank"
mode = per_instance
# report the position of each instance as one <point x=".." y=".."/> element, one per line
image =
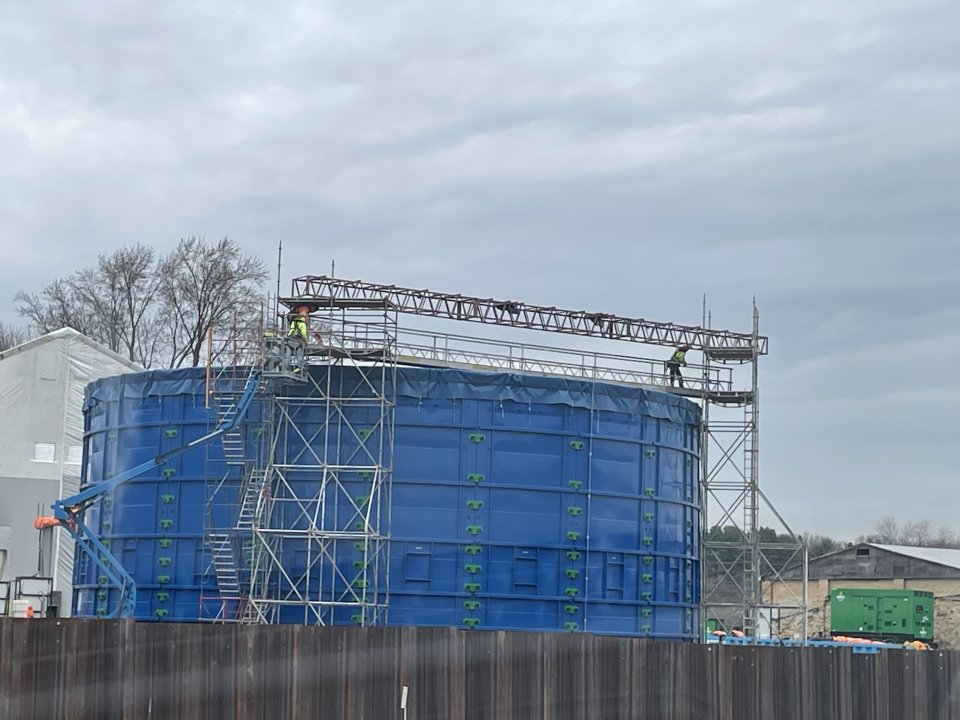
<point x="518" y="501"/>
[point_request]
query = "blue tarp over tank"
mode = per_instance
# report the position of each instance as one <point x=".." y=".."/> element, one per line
<point x="519" y="501"/>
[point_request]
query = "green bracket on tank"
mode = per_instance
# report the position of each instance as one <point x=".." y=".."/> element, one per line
<point x="112" y="436"/>
<point x="472" y="568"/>
<point x="359" y="583"/>
<point x="648" y="517"/>
<point x="101" y="611"/>
<point x="570" y="626"/>
<point x="474" y="530"/>
<point x="573" y="535"/>
<point x="649" y="492"/>
<point x="475" y="478"/>
<point x="163" y="579"/>
<point x="573" y="554"/>
<point x="647" y="577"/>
<point x="109" y="474"/>
<point x="647" y="596"/>
<point x="165" y="542"/>
<point x="650" y="452"/>
<point x="573" y="573"/>
<point x="166" y="523"/>
<point x="574" y="510"/>
<point x="571" y="592"/>
<point x="358" y="564"/>
<point x="575" y="484"/>
<point x="258" y="431"/>
<point x="648" y="541"/>
<point x="161" y="613"/>
<point x="648" y="559"/>
<point x="359" y="525"/>
<point x="107" y="501"/>
<point x="473" y="549"/>
<point x="363" y="500"/>
<point x="106" y="524"/>
<point x="645" y="629"/>
<point x="364" y="433"/>
<point x="357" y="619"/>
<point x="170" y="433"/>
<point x="471" y="622"/>
<point x="359" y="546"/>
<point x="689" y="598"/>
<point x="471" y="587"/>
<point x="164" y="561"/>
<point x="169" y="473"/>
<point x="689" y="523"/>
<point x="571" y="609"/>
<point x="474" y="504"/>
<point x="166" y="498"/>
<point x="106" y="543"/>
<point x="471" y="605"/>
<point x="364" y="474"/>
<point x="576" y="444"/>
<point x="162" y="596"/>
<point x="476" y="437"/>
<point x="646" y="612"/>
<point x="101" y="594"/>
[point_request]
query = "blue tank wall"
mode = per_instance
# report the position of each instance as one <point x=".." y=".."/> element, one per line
<point x="522" y="502"/>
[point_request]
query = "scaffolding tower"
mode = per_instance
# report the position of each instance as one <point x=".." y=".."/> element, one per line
<point x="742" y="572"/>
<point x="319" y="507"/>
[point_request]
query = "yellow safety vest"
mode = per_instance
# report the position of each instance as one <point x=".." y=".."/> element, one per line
<point x="679" y="356"/>
<point x="298" y="327"/>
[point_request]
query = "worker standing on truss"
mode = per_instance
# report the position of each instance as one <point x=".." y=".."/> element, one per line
<point x="678" y="358"/>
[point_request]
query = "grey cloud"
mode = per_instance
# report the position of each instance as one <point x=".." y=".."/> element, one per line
<point x="610" y="156"/>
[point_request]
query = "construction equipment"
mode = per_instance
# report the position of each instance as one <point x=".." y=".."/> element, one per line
<point x="68" y="512"/>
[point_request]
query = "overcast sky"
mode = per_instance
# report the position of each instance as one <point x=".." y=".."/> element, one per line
<point x="613" y="156"/>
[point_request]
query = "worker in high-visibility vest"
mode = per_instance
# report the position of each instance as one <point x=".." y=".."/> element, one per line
<point x="298" y="323"/>
<point x="678" y="358"/>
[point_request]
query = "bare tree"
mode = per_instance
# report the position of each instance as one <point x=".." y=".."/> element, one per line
<point x="133" y="280"/>
<point x="58" y="305"/>
<point x="206" y="286"/>
<point x="12" y="336"/>
<point x="945" y="538"/>
<point x="887" y="532"/>
<point x="115" y="302"/>
<point x="917" y="533"/>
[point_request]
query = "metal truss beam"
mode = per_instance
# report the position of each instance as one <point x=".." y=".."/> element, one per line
<point x="319" y="291"/>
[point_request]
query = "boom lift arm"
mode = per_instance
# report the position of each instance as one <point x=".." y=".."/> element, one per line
<point x="68" y="512"/>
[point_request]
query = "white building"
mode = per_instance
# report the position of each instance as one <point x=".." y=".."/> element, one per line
<point x="41" y="444"/>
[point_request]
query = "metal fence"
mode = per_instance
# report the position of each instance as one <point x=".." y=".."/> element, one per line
<point x="97" y="669"/>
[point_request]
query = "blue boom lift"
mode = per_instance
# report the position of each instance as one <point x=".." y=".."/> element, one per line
<point x="68" y="512"/>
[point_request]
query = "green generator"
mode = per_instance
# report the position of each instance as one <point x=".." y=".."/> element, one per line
<point x="891" y="615"/>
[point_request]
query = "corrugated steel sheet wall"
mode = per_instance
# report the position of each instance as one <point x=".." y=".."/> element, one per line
<point x="77" y="669"/>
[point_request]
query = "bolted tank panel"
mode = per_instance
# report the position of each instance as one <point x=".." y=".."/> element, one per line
<point x="518" y="501"/>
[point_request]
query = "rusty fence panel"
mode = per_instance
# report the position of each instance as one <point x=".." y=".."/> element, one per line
<point x="122" y="670"/>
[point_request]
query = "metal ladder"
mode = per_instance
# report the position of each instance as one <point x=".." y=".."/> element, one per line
<point x="224" y="565"/>
<point x="233" y="445"/>
<point x="249" y="503"/>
